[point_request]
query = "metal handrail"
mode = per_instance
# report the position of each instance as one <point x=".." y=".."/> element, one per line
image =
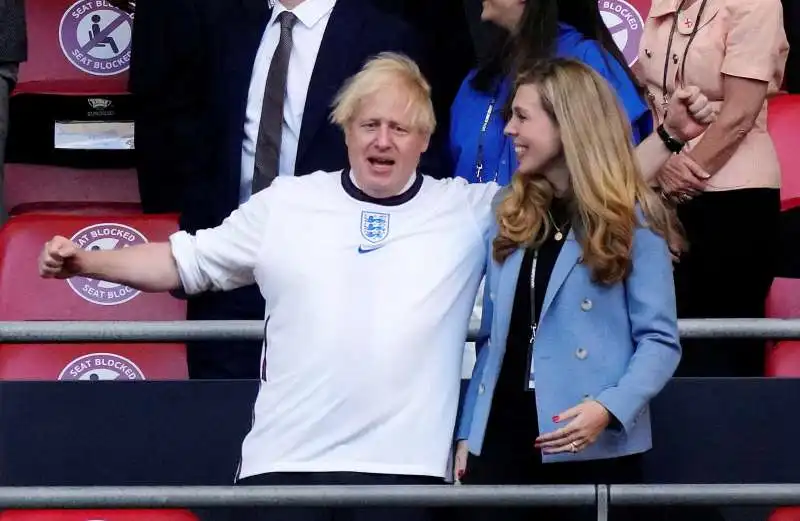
<point x="329" y="496"/>
<point x="24" y="332"/>
<point x="397" y="496"/>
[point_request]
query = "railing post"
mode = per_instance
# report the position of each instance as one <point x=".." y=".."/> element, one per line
<point x="602" y="502"/>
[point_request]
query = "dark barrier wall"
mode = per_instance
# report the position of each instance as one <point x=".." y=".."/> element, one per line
<point x="173" y="433"/>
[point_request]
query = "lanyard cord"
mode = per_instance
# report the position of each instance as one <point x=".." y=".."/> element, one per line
<point x="685" y="51"/>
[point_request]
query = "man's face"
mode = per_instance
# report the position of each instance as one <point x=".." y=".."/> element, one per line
<point x="382" y="145"/>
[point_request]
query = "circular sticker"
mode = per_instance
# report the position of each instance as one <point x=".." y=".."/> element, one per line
<point x="96" y="37"/>
<point x="106" y="236"/>
<point x="626" y="26"/>
<point x="101" y="366"/>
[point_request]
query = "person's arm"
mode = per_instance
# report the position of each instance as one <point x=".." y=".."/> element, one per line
<point x="754" y="46"/>
<point x="147" y="267"/>
<point x="688" y="115"/>
<point x="650" y="292"/>
<point x="217" y="259"/>
<point x="743" y="101"/>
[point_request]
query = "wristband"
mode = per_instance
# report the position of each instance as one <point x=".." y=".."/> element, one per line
<point x="673" y="145"/>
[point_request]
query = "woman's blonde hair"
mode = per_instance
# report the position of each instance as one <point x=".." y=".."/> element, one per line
<point x="386" y="70"/>
<point x="604" y="174"/>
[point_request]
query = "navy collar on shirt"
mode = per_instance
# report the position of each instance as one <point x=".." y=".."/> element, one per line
<point x="395" y="200"/>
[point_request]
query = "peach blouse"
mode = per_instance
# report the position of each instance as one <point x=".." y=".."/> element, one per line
<point x="743" y="38"/>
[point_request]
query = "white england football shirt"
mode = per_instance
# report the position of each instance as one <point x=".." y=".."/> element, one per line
<point x="368" y="303"/>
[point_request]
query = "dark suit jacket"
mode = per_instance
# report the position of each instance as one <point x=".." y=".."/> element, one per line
<point x="190" y="73"/>
<point x="13" y="34"/>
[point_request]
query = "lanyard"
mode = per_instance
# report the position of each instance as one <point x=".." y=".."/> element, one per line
<point x="530" y="382"/>
<point x="479" y="159"/>
<point x="685" y="51"/>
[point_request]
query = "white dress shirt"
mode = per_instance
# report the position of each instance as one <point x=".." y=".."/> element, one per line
<point x="312" y="16"/>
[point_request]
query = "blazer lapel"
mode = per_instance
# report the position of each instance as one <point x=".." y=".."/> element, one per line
<point x="506" y="287"/>
<point x="566" y="261"/>
<point x="332" y="67"/>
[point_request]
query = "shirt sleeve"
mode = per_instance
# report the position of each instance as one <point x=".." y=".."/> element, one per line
<point x="225" y="257"/>
<point x="593" y="55"/>
<point x="755" y="45"/>
<point x="481" y="199"/>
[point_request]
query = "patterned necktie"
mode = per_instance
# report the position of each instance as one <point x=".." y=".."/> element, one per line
<point x="268" y="145"/>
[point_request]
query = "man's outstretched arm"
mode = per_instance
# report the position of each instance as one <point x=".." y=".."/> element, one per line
<point x="147" y="267"/>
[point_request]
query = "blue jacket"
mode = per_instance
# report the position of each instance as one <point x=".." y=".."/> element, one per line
<point x="617" y="344"/>
<point x="469" y="110"/>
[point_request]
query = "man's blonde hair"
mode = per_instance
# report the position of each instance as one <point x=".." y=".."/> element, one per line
<point x="386" y="70"/>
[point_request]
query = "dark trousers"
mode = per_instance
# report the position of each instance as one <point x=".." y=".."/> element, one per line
<point x="334" y="514"/>
<point x="226" y="360"/>
<point x="508" y="457"/>
<point x="727" y="273"/>
<point x="501" y="466"/>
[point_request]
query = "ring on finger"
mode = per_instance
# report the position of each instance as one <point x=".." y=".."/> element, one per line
<point x="573" y="447"/>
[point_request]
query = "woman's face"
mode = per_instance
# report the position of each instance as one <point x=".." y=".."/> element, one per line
<point x="537" y="141"/>
<point x="505" y="13"/>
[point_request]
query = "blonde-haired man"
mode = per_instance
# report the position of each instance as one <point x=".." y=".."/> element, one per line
<point x="369" y="275"/>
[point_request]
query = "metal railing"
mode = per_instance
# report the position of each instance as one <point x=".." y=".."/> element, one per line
<point x="600" y="497"/>
<point x="178" y="331"/>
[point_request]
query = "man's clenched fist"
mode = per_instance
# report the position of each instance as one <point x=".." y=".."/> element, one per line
<point x="59" y="259"/>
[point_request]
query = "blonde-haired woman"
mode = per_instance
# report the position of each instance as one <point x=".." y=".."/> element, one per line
<point x="581" y="314"/>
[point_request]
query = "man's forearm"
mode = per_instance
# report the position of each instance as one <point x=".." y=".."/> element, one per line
<point x="148" y="267"/>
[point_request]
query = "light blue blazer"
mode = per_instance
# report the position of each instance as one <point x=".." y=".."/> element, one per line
<point x="617" y="344"/>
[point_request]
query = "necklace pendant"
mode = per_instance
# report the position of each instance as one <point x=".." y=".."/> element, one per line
<point x="559" y="236"/>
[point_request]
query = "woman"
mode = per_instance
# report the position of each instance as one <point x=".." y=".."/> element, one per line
<point x="735" y="51"/>
<point x="534" y="30"/>
<point x="581" y="265"/>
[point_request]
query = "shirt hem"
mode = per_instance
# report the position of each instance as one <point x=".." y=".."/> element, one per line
<point x="361" y="468"/>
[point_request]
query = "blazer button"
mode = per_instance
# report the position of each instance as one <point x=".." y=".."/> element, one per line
<point x="491" y="297"/>
<point x="586" y="305"/>
<point x="481" y="389"/>
<point x="581" y="353"/>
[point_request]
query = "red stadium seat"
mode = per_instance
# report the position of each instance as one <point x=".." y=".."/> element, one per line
<point x="783" y="301"/>
<point x="782" y="123"/>
<point x="26" y="296"/>
<point x="785" y="514"/>
<point x="70" y="114"/>
<point x="97" y="515"/>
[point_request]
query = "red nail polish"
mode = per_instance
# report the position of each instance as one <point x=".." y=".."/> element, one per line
<point x="556" y="419"/>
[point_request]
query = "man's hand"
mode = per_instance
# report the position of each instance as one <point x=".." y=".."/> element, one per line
<point x="681" y="178"/>
<point x="689" y="113"/>
<point x="59" y="259"/>
<point x="589" y="420"/>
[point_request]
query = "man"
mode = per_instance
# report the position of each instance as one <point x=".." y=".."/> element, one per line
<point x="369" y="274"/>
<point x="206" y="140"/>
<point x="13" y="51"/>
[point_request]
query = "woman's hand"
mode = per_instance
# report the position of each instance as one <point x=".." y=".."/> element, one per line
<point x="460" y="464"/>
<point x="588" y="421"/>
<point x="689" y="113"/>
<point x="681" y="178"/>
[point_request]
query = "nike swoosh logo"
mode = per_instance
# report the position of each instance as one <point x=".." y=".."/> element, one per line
<point x="367" y="249"/>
